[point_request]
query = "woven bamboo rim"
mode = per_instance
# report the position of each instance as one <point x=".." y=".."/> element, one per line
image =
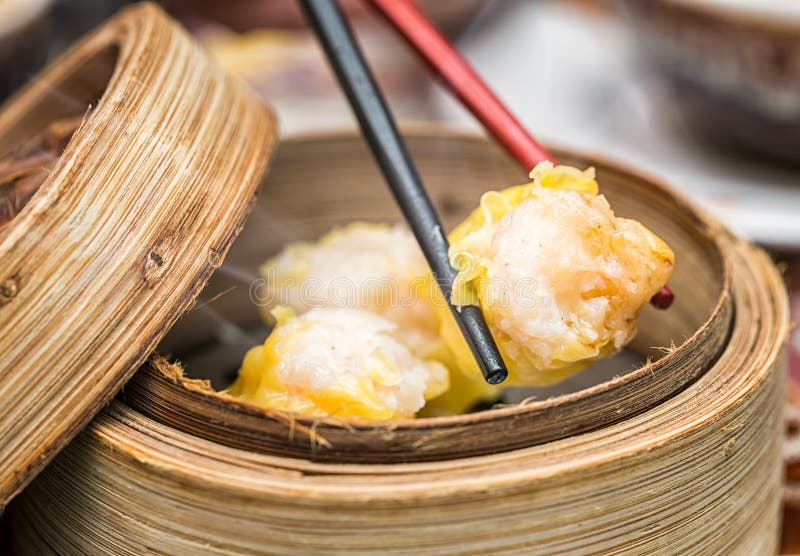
<point x="115" y="245"/>
<point x="699" y="473"/>
<point x="342" y="185"/>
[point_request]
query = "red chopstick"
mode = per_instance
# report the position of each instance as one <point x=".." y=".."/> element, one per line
<point x="467" y="85"/>
<point x="462" y="80"/>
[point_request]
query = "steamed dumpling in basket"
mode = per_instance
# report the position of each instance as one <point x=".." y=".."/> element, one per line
<point x="375" y="267"/>
<point x="338" y="362"/>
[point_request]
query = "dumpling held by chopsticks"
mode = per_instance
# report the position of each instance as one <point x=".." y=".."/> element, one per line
<point x="559" y="277"/>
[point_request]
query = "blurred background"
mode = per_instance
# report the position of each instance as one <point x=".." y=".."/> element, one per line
<point x="704" y="94"/>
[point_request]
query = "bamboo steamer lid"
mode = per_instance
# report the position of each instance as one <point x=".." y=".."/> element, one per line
<point x="697" y="472"/>
<point x="138" y="212"/>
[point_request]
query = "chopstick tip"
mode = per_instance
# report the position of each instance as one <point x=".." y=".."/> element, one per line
<point x="496" y="375"/>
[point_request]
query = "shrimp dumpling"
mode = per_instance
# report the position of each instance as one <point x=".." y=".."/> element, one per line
<point x="338" y="362"/>
<point x="376" y="267"/>
<point x="559" y="277"/>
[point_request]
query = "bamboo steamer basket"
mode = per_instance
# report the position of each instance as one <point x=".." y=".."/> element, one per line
<point x="691" y="464"/>
<point x="305" y="202"/>
<point x="114" y="246"/>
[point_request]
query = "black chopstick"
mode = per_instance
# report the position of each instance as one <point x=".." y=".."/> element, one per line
<point x="389" y="150"/>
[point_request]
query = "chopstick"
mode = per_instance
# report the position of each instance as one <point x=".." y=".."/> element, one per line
<point x="389" y="150"/>
<point x="466" y="84"/>
<point x="463" y="81"/>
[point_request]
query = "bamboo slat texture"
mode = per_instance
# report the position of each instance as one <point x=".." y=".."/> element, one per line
<point x="118" y="240"/>
<point x="692" y="465"/>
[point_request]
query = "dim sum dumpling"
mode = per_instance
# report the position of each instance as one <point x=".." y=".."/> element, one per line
<point x="375" y="267"/>
<point x="559" y="277"/>
<point x="338" y="362"/>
